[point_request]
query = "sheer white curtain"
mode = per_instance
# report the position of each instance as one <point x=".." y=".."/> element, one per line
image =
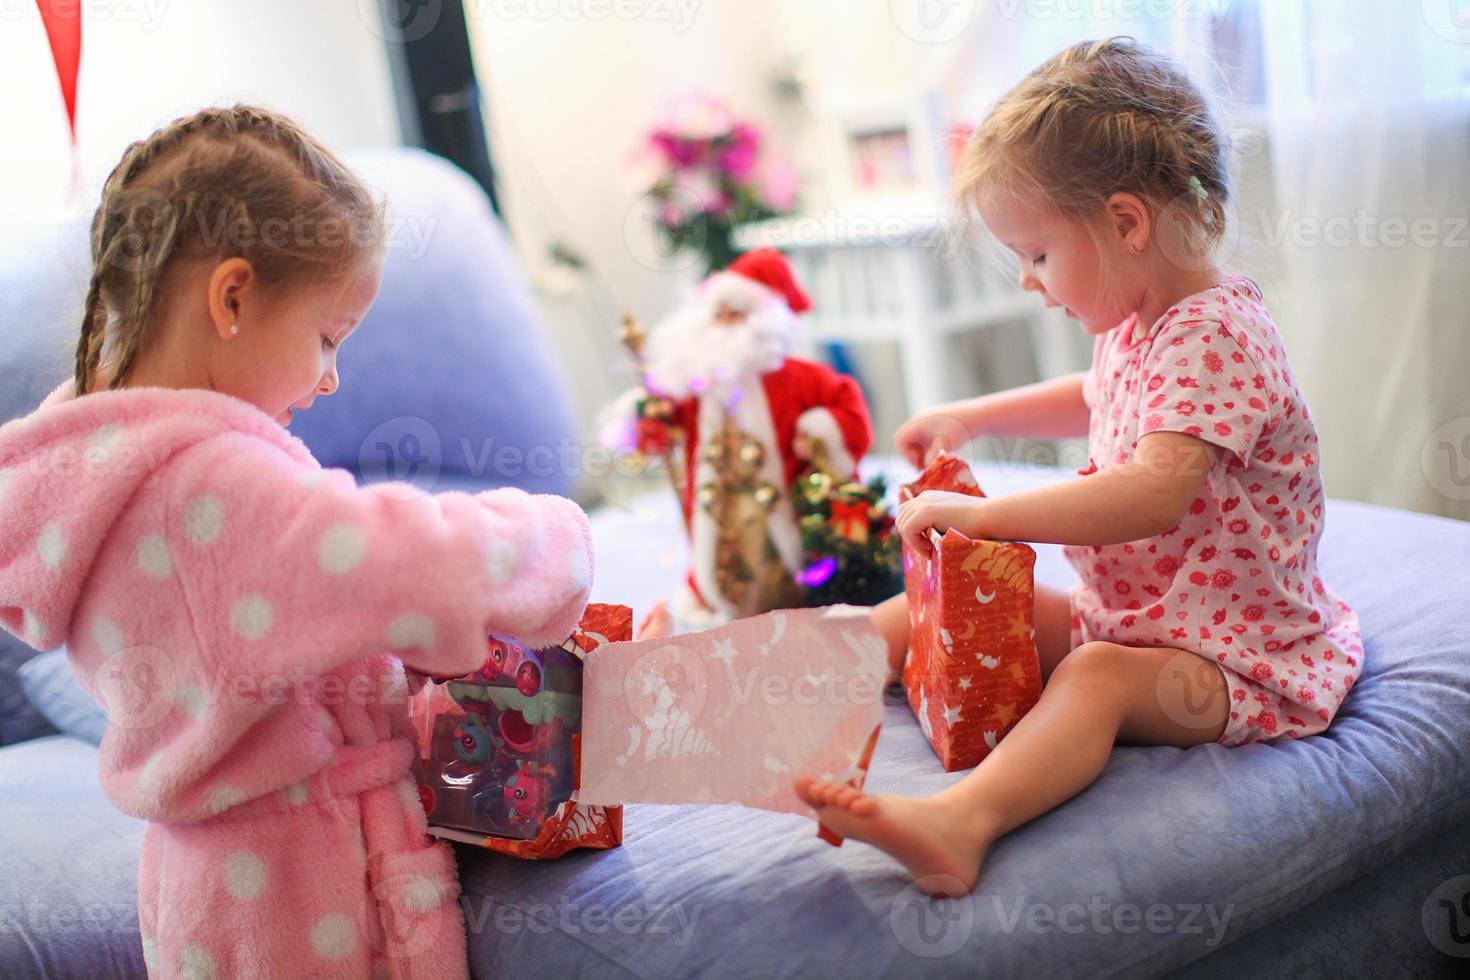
<point x="1369" y="141"/>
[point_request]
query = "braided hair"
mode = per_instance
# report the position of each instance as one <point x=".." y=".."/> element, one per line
<point x="238" y="181"/>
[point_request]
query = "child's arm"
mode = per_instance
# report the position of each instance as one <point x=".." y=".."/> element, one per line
<point x="1045" y="410"/>
<point x="1139" y="499"/>
<point x="287" y="568"/>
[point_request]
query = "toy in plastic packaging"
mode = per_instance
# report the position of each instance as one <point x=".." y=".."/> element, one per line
<point x="499" y="749"/>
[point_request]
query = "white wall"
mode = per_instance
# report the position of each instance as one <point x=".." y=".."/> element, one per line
<point x="145" y="62"/>
<point x="568" y="97"/>
<point x="572" y="86"/>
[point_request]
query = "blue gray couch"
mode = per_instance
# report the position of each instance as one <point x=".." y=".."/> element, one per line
<point x="1345" y="854"/>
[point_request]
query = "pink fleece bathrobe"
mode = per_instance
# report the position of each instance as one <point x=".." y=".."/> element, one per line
<point x="245" y="617"/>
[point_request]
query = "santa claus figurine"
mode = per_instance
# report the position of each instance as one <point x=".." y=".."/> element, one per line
<point x="724" y="399"/>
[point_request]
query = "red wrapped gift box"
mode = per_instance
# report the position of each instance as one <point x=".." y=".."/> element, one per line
<point x="972" y="670"/>
<point x="500" y="749"/>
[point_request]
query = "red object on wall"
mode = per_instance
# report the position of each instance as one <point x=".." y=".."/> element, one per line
<point x="972" y="669"/>
<point x="63" y="21"/>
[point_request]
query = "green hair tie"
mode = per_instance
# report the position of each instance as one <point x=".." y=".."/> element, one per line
<point x="1199" y="189"/>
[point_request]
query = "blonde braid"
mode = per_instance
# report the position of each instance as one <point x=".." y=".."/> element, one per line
<point x="89" y="346"/>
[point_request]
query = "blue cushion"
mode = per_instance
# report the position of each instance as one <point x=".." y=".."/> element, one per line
<point x="68" y="867"/>
<point x="450" y="371"/>
<point x="49" y="683"/>
<point x="19" y="718"/>
<point x="1261" y="830"/>
<point x="44" y="269"/>
<point x="1212" y="843"/>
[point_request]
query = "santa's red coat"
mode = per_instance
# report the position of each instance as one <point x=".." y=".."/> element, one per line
<point x="794" y="388"/>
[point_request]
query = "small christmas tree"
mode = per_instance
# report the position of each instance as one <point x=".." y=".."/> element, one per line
<point x="848" y="540"/>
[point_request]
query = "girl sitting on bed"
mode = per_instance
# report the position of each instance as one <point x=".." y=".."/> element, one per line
<point x="1200" y="616"/>
<point x="244" y="615"/>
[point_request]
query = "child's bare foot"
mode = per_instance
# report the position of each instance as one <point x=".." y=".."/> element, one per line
<point x="657" y="623"/>
<point x="940" y="850"/>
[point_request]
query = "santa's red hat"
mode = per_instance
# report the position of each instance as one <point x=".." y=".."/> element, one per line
<point x="767" y="269"/>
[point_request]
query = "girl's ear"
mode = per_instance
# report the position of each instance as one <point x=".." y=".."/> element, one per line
<point x="1129" y="221"/>
<point x="232" y="286"/>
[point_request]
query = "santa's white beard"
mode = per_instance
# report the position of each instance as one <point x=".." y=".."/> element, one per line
<point x="689" y="353"/>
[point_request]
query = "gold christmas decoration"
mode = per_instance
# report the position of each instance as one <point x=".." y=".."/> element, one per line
<point x="748" y="570"/>
<point x="633" y="335"/>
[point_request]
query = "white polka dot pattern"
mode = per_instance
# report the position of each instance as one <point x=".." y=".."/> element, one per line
<point x="296" y="793"/>
<point x="149" y="772"/>
<point x="198" y="964"/>
<point x="224" y="796"/>
<point x="423" y="894"/>
<point x="204" y="519"/>
<point x="579" y="566"/>
<point x="153" y="556"/>
<point x="107" y="636"/>
<point x="333" y="936"/>
<point x="192" y="700"/>
<point x="411" y="630"/>
<point x="52" y="545"/>
<point x="252" y="617"/>
<point x="245" y="875"/>
<point x="150" y="955"/>
<point x="342" y="549"/>
<point x="500" y="561"/>
<point x="103" y="443"/>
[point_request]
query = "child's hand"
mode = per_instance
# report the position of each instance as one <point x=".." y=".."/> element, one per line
<point x="930" y="433"/>
<point x="940" y="510"/>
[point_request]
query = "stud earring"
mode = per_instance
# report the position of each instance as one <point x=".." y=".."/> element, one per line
<point x="1134" y="249"/>
<point x="234" y="329"/>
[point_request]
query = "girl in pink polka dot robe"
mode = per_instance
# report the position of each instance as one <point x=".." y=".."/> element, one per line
<point x="1199" y="615"/>
<point x="243" y="615"/>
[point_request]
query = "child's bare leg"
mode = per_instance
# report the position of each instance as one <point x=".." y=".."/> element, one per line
<point x="657" y="623"/>
<point x="1051" y="615"/>
<point x="1098" y="694"/>
<point x="891" y="619"/>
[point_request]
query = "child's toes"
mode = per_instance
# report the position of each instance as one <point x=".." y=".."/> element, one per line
<point x="815" y="792"/>
<point x="846" y="795"/>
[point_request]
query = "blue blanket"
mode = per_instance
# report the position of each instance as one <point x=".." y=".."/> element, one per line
<point x="1170" y="855"/>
